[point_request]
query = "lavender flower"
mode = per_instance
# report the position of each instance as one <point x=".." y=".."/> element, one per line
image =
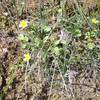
<point x="72" y="76"/>
<point x="63" y="35"/>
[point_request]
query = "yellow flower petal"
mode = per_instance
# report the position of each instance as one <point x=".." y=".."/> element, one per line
<point x="94" y="21"/>
<point x="27" y="57"/>
<point x="23" y="24"/>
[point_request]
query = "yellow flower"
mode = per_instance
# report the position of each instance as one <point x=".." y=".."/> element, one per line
<point x="23" y="24"/>
<point x="27" y="57"/>
<point x="94" y="21"/>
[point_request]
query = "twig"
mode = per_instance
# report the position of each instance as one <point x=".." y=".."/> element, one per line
<point x="64" y="83"/>
<point x="86" y="86"/>
<point x="52" y="82"/>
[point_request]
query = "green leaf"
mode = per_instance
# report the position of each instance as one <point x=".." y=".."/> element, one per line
<point x="91" y="45"/>
<point x="20" y="37"/>
<point x="1" y="96"/>
<point x="23" y="37"/>
<point x="37" y="42"/>
<point x="47" y="28"/>
<point x="60" y="10"/>
<point x="56" y="50"/>
<point x="77" y="33"/>
<point x="45" y="39"/>
<point x="56" y="42"/>
<point x="64" y="42"/>
<point x="23" y="46"/>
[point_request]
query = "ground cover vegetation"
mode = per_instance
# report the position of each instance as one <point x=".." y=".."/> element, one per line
<point x="49" y="50"/>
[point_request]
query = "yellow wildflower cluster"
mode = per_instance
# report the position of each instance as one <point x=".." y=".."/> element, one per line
<point x="94" y="21"/>
<point x="27" y="57"/>
<point x="23" y="24"/>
